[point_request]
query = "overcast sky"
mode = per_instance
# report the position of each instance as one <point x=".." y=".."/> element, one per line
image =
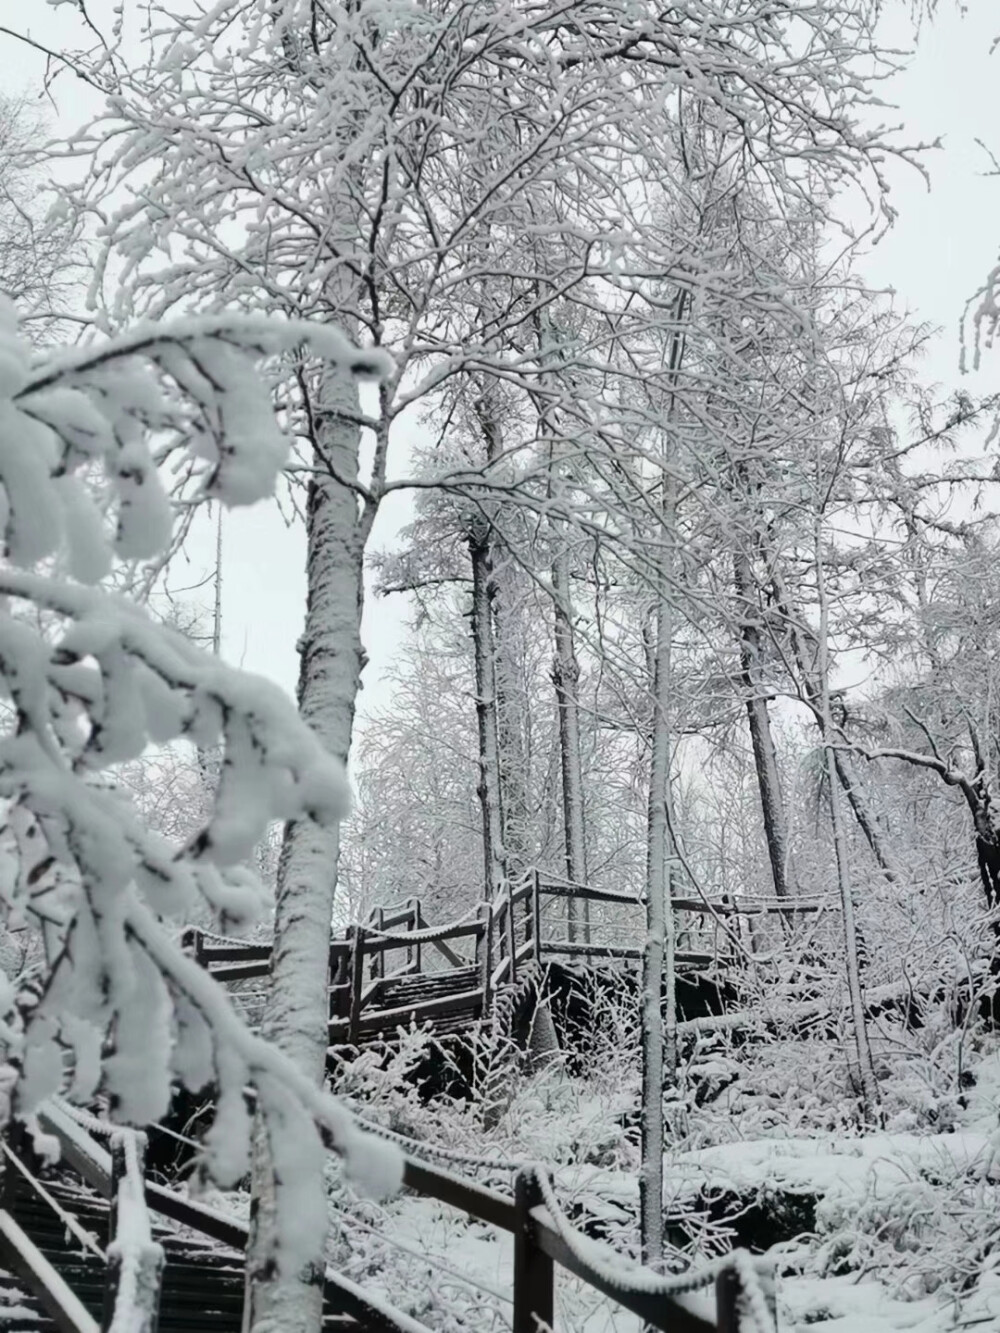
<point x="944" y="241"/>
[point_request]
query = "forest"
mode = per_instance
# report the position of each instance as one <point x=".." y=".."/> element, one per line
<point x="601" y="930"/>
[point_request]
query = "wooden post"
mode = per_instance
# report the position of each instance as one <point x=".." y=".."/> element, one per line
<point x="533" y="1277"/>
<point x="484" y="945"/>
<point x="727" y="1294"/>
<point x="193" y="943"/>
<point x="340" y="971"/>
<point x="145" y="1297"/>
<point x="536" y="915"/>
<point x="511" y="936"/>
<point x="378" y="959"/>
<point x="413" y="956"/>
<point x="356" y="976"/>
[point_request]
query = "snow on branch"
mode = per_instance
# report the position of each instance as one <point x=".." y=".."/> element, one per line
<point x="88" y="682"/>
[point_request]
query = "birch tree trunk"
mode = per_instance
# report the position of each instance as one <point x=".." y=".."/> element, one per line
<point x="659" y="981"/>
<point x="296" y="1015"/>
<point x="761" y="737"/>
<point x="659" y="1033"/>
<point x="566" y="679"/>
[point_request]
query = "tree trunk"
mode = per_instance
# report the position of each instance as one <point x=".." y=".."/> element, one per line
<point x="489" y="789"/>
<point x="842" y="768"/>
<point x="659" y="1037"/>
<point x="296" y="1014"/>
<point x="566" y="678"/>
<point x="510" y="705"/>
<point x="867" y="1082"/>
<point x="511" y="713"/>
<point x="759" y="719"/>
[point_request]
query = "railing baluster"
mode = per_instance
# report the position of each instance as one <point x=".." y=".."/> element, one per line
<point x="511" y="939"/>
<point x="484" y="945"/>
<point x="193" y="942"/>
<point x="357" y="979"/>
<point x="536" y="914"/>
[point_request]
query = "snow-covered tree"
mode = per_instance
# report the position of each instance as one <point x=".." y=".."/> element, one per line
<point x="109" y="1001"/>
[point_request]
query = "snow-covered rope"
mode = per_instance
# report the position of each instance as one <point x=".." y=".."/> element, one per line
<point x="103" y="1129"/>
<point x="228" y="939"/>
<point x="655" y="1284"/>
<point x="418" y="1147"/>
<point x="429" y="934"/>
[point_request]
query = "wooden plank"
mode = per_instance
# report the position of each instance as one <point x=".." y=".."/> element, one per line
<point x="599" y="951"/>
<point x="727" y="1308"/>
<point x="235" y="953"/>
<point x="448" y="954"/>
<point x="23" y="1257"/>
<point x="241" y="971"/>
<point x="227" y="1231"/>
<point x="403" y="918"/>
<point x="476" y="1200"/>
<point x="565" y="890"/>
<point x="404" y="1014"/>
<point x="536" y="917"/>
<point x="749" y="907"/>
<point x="661" y="1312"/>
<point x="484" y="953"/>
<point x="519" y="895"/>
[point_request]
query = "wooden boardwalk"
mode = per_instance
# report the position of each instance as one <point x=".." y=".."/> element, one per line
<point x="395" y="970"/>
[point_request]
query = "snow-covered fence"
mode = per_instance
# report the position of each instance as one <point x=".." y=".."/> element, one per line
<point x="544" y="1239"/>
<point x="394" y="968"/>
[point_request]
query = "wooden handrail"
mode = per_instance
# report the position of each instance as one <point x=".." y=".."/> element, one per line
<point x="539" y="1244"/>
<point x="683" y="958"/>
<point x="23" y="1257"/>
<point x="130" y="1240"/>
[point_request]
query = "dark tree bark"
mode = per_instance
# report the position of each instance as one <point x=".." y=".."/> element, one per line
<point x="759" y="720"/>
<point x="489" y="788"/>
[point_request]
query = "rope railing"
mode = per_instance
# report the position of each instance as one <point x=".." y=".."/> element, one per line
<point x="543" y="1237"/>
<point x="736" y="1277"/>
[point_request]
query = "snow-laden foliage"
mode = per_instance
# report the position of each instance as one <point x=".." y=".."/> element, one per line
<point x="89" y="683"/>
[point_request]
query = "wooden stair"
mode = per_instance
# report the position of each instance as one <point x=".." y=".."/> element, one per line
<point x="202" y="1280"/>
<point x="450" y="1001"/>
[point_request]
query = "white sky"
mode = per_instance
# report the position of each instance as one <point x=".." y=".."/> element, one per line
<point x="942" y="245"/>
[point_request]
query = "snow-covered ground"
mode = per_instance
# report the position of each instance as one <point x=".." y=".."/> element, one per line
<point x="904" y="1218"/>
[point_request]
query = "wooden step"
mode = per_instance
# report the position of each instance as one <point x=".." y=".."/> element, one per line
<point x="202" y="1280"/>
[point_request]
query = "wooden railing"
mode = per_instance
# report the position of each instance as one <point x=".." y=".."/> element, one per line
<point x="493" y="946"/>
<point x="544" y="1241"/>
<point x="132" y="1261"/>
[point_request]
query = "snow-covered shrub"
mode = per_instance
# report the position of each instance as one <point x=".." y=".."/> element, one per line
<point x="88" y="438"/>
